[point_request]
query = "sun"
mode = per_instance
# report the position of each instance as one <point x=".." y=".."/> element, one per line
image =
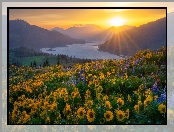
<point x="117" y="21"/>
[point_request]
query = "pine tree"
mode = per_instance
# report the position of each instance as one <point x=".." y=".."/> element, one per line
<point x="47" y="62"/>
<point x="58" y="60"/>
<point x="31" y="64"/>
<point x="34" y="64"/>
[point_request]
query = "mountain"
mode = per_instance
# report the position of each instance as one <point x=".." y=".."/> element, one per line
<point x="61" y="30"/>
<point x="84" y="32"/>
<point x="23" y="34"/>
<point x="91" y="32"/>
<point x="151" y="35"/>
<point x="108" y="33"/>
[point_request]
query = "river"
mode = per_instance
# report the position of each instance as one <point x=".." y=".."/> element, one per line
<point x="88" y="50"/>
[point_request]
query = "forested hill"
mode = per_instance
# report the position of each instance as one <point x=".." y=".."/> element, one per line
<point x="23" y="34"/>
<point x="151" y="35"/>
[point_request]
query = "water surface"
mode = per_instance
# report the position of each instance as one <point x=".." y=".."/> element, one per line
<point x="88" y="50"/>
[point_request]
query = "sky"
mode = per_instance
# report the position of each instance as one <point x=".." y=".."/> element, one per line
<point x="104" y="18"/>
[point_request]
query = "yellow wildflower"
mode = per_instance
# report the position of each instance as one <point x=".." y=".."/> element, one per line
<point x="127" y="114"/>
<point x="162" y="108"/>
<point x="136" y="107"/>
<point x="90" y="115"/>
<point x="81" y="112"/>
<point x="108" y="115"/>
<point x="129" y="98"/>
<point x="120" y="115"/>
<point x="120" y="101"/>
<point x="108" y="105"/>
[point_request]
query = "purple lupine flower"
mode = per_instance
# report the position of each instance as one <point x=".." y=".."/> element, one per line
<point x="137" y="61"/>
<point x="155" y="88"/>
<point x="84" y="81"/>
<point x="162" y="98"/>
<point x="78" y="80"/>
<point x="123" y="75"/>
<point x="164" y="90"/>
<point x="73" y="81"/>
<point x="127" y="65"/>
<point x="83" y="77"/>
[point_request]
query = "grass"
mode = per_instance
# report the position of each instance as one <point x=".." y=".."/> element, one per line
<point x="38" y="59"/>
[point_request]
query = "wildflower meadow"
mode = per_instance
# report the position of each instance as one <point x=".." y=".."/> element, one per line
<point x="126" y="91"/>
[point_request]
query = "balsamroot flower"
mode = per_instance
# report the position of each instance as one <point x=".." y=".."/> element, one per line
<point x="120" y="115"/>
<point x="137" y="109"/>
<point x="90" y="115"/>
<point x="81" y="113"/>
<point x="120" y="101"/>
<point x="162" y="108"/>
<point x="108" y="115"/>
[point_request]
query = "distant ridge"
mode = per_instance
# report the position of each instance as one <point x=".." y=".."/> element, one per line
<point x="92" y="32"/>
<point x="84" y="32"/>
<point x="151" y="35"/>
<point x="23" y="34"/>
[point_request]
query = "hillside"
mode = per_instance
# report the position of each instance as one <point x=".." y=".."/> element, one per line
<point x="108" y="33"/>
<point x="151" y="35"/>
<point x="24" y="57"/>
<point x="23" y="34"/>
<point x="97" y="92"/>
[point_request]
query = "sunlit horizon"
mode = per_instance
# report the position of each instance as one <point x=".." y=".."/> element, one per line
<point x="104" y="18"/>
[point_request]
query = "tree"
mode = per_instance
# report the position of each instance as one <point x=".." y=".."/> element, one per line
<point x="44" y="64"/>
<point x="47" y="62"/>
<point x="58" y="60"/>
<point x="34" y="64"/>
<point x="31" y="64"/>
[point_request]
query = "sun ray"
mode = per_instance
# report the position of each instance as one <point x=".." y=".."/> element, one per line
<point x="106" y="37"/>
<point x="124" y="41"/>
<point x="133" y="43"/>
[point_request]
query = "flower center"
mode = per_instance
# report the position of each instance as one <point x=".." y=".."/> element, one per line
<point x="107" y="116"/>
<point x="91" y="115"/>
<point x="120" y="116"/>
<point x="163" y="109"/>
<point x="81" y="113"/>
